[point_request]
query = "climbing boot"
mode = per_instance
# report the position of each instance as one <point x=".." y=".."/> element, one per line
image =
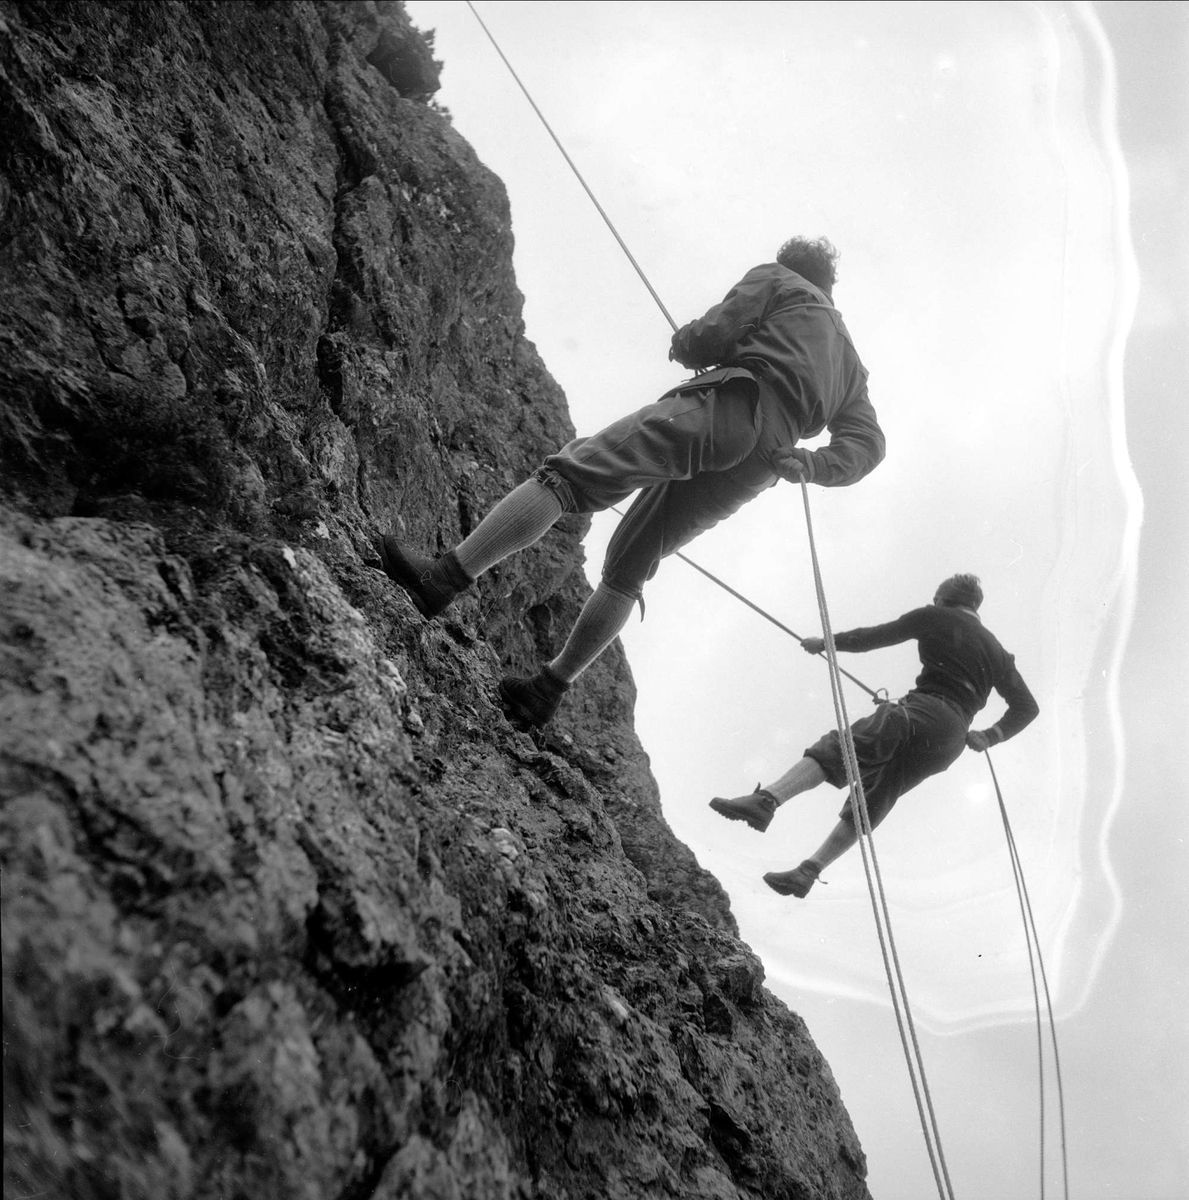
<point x="432" y="583"/>
<point x="796" y="882"/>
<point x="757" y="810"/>
<point x="532" y="702"/>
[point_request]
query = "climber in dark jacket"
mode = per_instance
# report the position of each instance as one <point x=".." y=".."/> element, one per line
<point x="904" y="741"/>
<point x="784" y="369"/>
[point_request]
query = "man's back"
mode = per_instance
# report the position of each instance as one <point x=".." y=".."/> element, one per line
<point x="787" y="333"/>
<point x="961" y="659"/>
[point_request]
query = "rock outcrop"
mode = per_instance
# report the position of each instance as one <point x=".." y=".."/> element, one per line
<point x="289" y="909"/>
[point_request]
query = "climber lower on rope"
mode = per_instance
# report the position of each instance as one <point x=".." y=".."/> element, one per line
<point x="904" y="741"/>
<point x="784" y="369"/>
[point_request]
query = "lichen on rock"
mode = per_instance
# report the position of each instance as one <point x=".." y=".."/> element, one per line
<point x="288" y="908"/>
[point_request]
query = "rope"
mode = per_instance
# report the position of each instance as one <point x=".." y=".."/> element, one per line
<point x="578" y="174"/>
<point x="887" y="943"/>
<point x="1040" y="1060"/>
<point x="858" y="800"/>
<point x="1031" y="938"/>
<point x="877" y="697"/>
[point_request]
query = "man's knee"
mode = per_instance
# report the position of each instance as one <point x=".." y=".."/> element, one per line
<point x="827" y="753"/>
<point x="636" y="548"/>
<point x="625" y="589"/>
<point x="568" y="497"/>
<point x="628" y="584"/>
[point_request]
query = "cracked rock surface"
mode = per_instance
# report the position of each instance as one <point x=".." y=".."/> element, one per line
<point x="289" y="909"/>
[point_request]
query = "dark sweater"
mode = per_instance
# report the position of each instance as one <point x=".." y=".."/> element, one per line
<point x="961" y="660"/>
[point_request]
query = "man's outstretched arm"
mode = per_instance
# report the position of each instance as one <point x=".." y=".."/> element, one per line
<point x="872" y="637"/>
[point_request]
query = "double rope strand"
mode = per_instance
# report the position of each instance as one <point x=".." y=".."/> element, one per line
<point x="879" y="907"/>
<point x="1033" y="940"/>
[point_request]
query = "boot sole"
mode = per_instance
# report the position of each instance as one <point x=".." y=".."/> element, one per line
<point x="788" y="889"/>
<point x="757" y="823"/>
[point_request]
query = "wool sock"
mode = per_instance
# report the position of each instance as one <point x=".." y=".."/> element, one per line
<point x="517" y="521"/>
<point x="603" y="615"/>
<point x="804" y="774"/>
<point x="841" y="838"/>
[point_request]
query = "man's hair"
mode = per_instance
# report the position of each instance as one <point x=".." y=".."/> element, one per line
<point x="962" y="589"/>
<point x="815" y="258"/>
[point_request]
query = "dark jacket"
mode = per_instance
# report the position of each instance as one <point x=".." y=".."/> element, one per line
<point x="961" y="661"/>
<point x="784" y="332"/>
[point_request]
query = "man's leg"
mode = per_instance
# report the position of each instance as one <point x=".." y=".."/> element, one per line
<point x="881" y="741"/>
<point x="841" y="838"/>
<point x="674" y="439"/>
<point x="521" y="518"/>
<point x="679" y="437"/>
<point x="758" y="808"/>
<point x="799" y="880"/>
<point x="800" y="777"/>
<point x="603" y="615"/>
<point x="713" y="436"/>
<point x="535" y="700"/>
<point x="898" y="746"/>
<point x="518" y="520"/>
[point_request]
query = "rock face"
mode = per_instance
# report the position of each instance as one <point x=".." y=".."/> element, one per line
<point x="289" y="910"/>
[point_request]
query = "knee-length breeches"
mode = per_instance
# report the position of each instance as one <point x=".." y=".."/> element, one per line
<point x="692" y="453"/>
<point x="902" y="743"/>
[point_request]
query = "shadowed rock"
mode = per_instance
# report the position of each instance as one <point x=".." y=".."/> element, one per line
<point x="289" y="909"/>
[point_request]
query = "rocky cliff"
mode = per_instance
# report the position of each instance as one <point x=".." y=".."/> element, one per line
<point x="289" y="910"/>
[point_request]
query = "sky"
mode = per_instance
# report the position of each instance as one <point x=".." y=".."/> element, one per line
<point x="1006" y="183"/>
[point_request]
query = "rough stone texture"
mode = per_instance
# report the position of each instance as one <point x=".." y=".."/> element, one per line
<point x="288" y="908"/>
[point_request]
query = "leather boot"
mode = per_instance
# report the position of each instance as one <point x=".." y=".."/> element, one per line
<point x="796" y="882"/>
<point x="432" y="583"/>
<point x="532" y="702"/>
<point x="757" y="810"/>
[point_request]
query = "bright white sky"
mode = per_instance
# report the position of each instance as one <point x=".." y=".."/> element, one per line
<point x="963" y="157"/>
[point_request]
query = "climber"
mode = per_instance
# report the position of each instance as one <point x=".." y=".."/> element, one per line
<point x="904" y="741"/>
<point x="784" y="369"/>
